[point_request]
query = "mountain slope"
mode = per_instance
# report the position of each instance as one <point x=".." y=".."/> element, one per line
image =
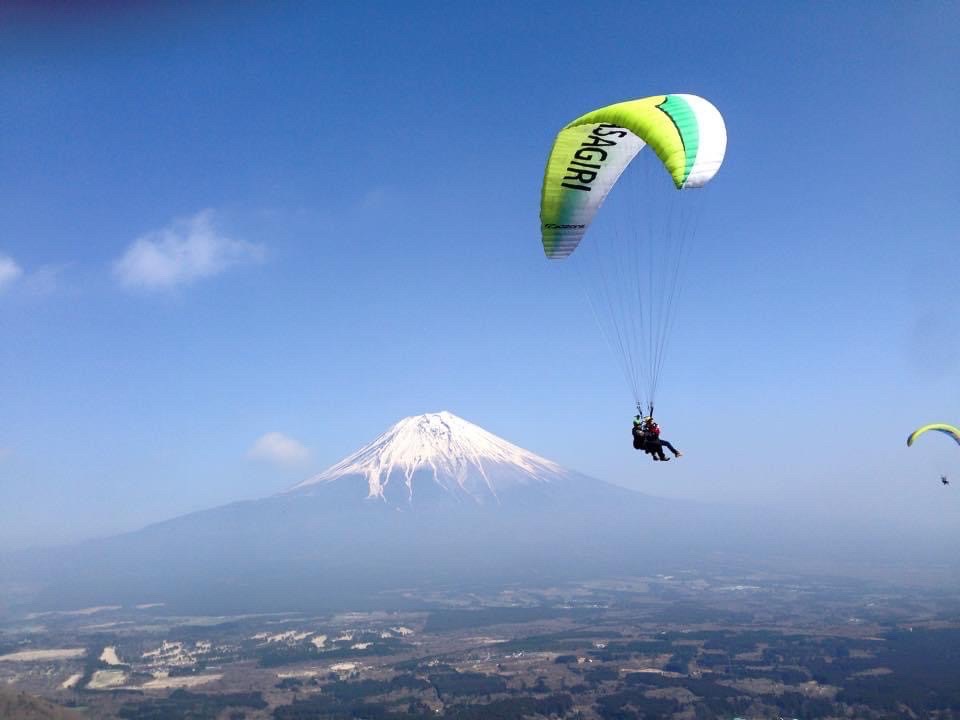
<point x="439" y="452"/>
<point x="434" y="500"/>
<point x="15" y="705"/>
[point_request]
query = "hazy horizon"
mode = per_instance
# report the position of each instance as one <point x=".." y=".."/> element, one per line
<point x="869" y="520"/>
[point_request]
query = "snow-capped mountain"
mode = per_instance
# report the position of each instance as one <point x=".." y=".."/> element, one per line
<point x="439" y="452"/>
<point x="433" y="501"/>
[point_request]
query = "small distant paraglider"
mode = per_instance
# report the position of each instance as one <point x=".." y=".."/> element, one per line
<point x="939" y="427"/>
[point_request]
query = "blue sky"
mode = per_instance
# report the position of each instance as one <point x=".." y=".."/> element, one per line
<point x="311" y="219"/>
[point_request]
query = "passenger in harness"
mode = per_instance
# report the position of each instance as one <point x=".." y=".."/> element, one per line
<point x="646" y="437"/>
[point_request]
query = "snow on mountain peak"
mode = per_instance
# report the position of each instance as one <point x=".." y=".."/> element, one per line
<point x="458" y="456"/>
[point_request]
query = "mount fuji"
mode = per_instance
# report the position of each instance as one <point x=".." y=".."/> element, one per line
<point x="434" y="500"/>
<point x="441" y="456"/>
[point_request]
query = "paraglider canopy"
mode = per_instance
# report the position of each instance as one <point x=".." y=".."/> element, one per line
<point x="950" y="430"/>
<point x="939" y="427"/>
<point x="631" y="264"/>
<point x="588" y="156"/>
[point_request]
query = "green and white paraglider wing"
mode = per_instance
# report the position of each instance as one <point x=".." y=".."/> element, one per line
<point x="632" y="260"/>
<point x="588" y="156"/>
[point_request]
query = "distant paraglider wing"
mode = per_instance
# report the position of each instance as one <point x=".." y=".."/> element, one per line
<point x="939" y="427"/>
